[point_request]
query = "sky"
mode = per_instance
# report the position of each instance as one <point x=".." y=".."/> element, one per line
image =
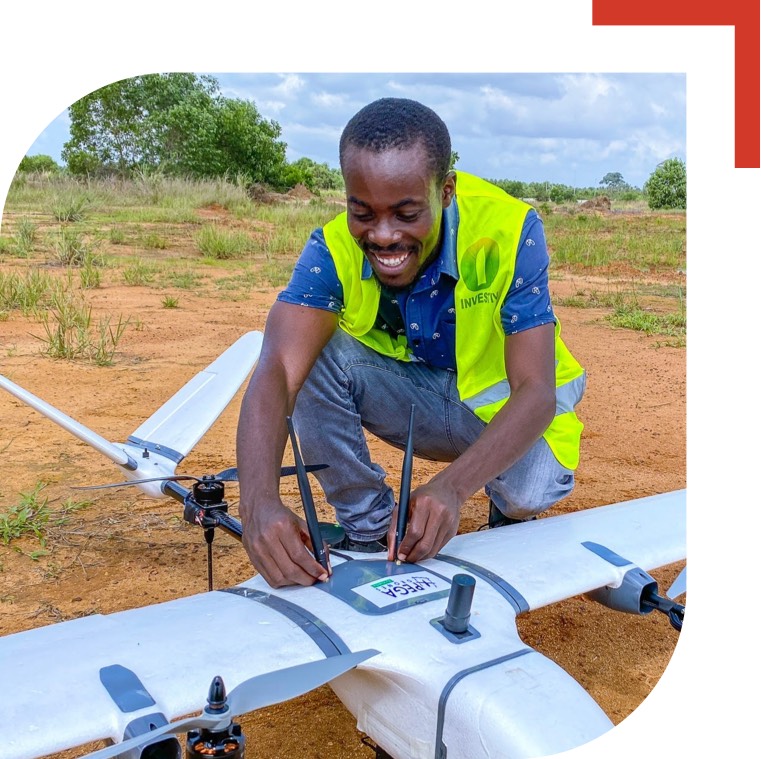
<point x="53" y="56"/>
<point x="564" y="128"/>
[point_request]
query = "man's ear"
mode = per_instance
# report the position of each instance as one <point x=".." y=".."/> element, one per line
<point x="448" y="189"/>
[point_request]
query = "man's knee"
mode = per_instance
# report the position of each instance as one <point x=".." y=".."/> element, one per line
<point x="529" y="497"/>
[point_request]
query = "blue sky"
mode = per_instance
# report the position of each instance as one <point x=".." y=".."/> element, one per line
<point x="569" y="128"/>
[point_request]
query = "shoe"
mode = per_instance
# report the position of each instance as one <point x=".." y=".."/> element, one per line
<point x="360" y="546"/>
<point x="498" y="519"/>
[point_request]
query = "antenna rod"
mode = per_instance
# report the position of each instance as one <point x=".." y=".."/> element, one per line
<point x="310" y="512"/>
<point x="404" y="489"/>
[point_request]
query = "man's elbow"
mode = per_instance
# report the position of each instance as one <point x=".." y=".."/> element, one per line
<point x="546" y="403"/>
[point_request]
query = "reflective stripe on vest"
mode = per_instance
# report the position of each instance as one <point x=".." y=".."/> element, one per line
<point x="566" y="396"/>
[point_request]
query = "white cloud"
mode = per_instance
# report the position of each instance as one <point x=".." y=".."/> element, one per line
<point x="290" y="84"/>
<point x="329" y="99"/>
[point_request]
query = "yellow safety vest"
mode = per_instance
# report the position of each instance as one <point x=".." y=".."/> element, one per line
<point x="489" y="230"/>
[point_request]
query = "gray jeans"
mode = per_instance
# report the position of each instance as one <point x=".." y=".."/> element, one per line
<point x="352" y="386"/>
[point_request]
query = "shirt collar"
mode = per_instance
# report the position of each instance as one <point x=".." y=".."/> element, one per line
<point x="446" y="262"/>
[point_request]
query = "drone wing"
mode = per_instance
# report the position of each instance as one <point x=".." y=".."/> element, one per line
<point x="484" y="694"/>
<point x="155" y="448"/>
<point x="103" y="677"/>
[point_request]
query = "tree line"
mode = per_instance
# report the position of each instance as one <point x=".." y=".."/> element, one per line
<point x="181" y="125"/>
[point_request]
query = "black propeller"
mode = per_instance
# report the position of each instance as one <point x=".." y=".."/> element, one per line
<point x="227" y="475"/>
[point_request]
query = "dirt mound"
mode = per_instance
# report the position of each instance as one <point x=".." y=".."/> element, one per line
<point x="601" y="203"/>
<point x="300" y="192"/>
<point x="260" y="193"/>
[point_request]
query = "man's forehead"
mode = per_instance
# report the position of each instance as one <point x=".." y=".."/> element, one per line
<point x="367" y="159"/>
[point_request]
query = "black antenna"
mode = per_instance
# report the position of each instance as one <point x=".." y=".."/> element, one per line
<point x="310" y="512"/>
<point x="404" y="488"/>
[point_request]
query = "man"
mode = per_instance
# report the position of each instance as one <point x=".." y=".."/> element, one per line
<point x="431" y="289"/>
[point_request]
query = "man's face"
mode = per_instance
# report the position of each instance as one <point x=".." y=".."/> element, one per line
<point x="394" y="210"/>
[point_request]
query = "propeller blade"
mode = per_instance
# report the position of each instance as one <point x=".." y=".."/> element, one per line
<point x="285" y="684"/>
<point x="254" y="693"/>
<point x="227" y="475"/>
<point x="231" y="475"/>
<point x="166" y="478"/>
<point x="173" y="728"/>
<point x="679" y="585"/>
<point x="286" y="471"/>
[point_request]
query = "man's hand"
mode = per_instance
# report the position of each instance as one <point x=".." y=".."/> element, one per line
<point x="277" y="543"/>
<point x="434" y="517"/>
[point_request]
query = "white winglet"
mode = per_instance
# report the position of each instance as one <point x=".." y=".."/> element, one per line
<point x="179" y="424"/>
<point x="679" y="586"/>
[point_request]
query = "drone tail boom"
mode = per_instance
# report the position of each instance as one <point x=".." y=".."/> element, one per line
<point x="156" y="447"/>
<point x="86" y="435"/>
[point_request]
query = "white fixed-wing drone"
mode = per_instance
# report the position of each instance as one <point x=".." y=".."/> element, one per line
<point x="426" y="656"/>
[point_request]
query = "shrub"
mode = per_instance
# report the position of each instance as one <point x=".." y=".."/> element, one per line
<point x="215" y="242"/>
<point x="38" y="163"/>
<point x="70" y="206"/>
<point x="70" y="248"/>
<point x="667" y="185"/>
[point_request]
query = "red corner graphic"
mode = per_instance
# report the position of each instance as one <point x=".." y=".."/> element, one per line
<point x="744" y="16"/>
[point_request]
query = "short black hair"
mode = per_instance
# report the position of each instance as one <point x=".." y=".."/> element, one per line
<point x="399" y="123"/>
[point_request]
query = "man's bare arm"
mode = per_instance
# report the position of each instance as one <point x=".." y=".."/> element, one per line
<point x="274" y="537"/>
<point x="435" y="506"/>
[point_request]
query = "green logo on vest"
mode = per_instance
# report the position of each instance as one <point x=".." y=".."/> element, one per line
<point x="480" y="264"/>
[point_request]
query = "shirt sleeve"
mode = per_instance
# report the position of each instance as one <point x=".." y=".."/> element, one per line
<point x="314" y="281"/>
<point x="528" y="301"/>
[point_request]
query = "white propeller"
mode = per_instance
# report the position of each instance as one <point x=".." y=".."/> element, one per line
<point x="679" y="586"/>
<point x="255" y="693"/>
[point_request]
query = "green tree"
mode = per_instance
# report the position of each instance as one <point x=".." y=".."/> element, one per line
<point x="453" y="158"/>
<point x="559" y="193"/>
<point x="124" y="125"/>
<point x="32" y="163"/>
<point x="316" y="176"/>
<point x="176" y="122"/>
<point x="513" y="187"/>
<point x="614" y="180"/>
<point x="667" y="185"/>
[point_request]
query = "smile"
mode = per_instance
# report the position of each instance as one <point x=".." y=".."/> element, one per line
<point x="391" y="262"/>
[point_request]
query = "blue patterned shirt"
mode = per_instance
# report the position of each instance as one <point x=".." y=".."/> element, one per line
<point x="425" y="311"/>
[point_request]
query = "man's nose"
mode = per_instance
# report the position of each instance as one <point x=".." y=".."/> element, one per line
<point x="384" y="233"/>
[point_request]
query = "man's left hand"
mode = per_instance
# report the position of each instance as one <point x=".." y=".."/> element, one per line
<point x="434" y="516"/>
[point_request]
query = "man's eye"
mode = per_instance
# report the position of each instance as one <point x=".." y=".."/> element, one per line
<point x="407" y="216"/>
<point x="362" y="216"/>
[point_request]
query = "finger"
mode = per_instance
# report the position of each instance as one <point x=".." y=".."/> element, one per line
<point x="445" y="530"/>
<point x="304" y="569"/>
<point x="416" y="529"/>
<point x="285" y="560"/>
<point x="392" y="534"/>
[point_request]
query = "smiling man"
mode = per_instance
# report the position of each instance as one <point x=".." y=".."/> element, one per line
<point x="431" y="289"/>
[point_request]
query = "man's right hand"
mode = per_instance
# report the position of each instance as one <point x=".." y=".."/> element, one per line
<point x="277" y="542"/>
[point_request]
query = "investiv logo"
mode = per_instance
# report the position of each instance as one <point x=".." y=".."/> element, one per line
<point x="478" y="270"/>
